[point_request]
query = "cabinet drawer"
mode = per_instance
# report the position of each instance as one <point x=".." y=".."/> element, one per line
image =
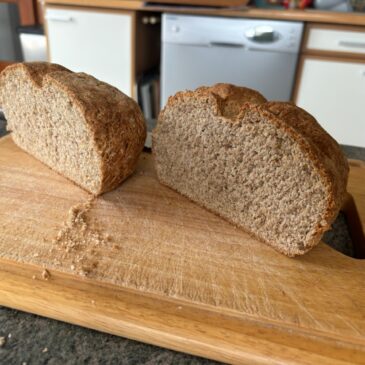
<point x="341" y="40"/>
<point x="334" y="93"/>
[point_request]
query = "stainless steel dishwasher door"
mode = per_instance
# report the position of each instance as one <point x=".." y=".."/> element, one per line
<point x="198" y="51"/>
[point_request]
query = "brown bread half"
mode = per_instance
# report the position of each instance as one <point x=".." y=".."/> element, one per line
<point x="83" y="128"/>
<point x="267" y="167"/>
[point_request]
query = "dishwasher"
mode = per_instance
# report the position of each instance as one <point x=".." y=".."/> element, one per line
<point x="204" y="50"/>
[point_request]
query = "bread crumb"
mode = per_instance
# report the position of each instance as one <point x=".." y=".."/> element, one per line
<point x="45" y="349"/>
<point x="93" y="301"/>
<point x="85" y="271"/>
<point x="2" y="341"/>
<point x="45" y="274"/>
<point x="179" y="307"/>
<point x="59" y="235"/>
<point x="35" y="255"/>
<point x="33" y="277"/>
<point x="79" y="237"/>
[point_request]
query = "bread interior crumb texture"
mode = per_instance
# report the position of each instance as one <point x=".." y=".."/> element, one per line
<point x="81" y="127"/>
<point x="61" y="140"/>
<point x="249" y="171"/>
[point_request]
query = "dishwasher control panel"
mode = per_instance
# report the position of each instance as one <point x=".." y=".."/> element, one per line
<point x="280" y="36"/>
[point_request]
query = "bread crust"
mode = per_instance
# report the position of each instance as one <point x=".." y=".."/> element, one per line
<point x="115" y="121"/>
<point x="322" y="150"/>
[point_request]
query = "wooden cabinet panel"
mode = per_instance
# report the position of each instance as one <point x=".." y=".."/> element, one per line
<point x="223" y="3"/>
<point x="38" y="6"/>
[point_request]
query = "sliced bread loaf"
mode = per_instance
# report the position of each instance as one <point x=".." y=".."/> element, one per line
<point x="83" y="128"/>
<point x="267" y="167"/>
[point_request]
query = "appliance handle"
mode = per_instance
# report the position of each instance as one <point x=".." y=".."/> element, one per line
<point x="226" y="44"/>
<point x="352" y="44"/>
<point x="263" y="34"/>
<point x="60" y="18"/>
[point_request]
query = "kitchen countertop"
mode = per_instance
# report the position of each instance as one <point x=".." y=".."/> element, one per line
<point x="36" y="340"/>
<point x="308" y="15"/>
<point x="30" y="339"/>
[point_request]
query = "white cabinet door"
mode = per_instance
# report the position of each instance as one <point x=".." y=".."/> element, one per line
<point x="334" y="93"/>
<point x="335" y="40"/>
<point x="98" y="43"/>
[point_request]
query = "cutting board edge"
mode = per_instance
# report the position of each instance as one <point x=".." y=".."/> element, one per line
<point x="29" y="270"/>
<point x="182" y="335"/>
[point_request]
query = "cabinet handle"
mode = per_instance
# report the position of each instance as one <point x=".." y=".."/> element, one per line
<point x="226" y="44"/>
<point x="60" y="18"/>
<point x="353" y="44"/>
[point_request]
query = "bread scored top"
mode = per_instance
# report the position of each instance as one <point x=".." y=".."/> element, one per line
<point x="267" y="167"/>
<point x="83" y="128"/>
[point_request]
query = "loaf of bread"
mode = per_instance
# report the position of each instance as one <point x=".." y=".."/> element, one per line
<point x="83" y="128"/>
<point x="267" y="167"/>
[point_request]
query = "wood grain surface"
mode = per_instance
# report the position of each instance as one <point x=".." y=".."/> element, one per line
<point x="218" y="3"/>
<point x="145" y="263"/>
<point x="308" y="15"/>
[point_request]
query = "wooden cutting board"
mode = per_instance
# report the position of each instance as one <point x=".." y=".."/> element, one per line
<point x="151" y="265"/>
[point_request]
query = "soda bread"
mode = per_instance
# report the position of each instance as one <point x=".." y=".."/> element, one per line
<point x="267" y="167"/>
<point x="83" y="128"/>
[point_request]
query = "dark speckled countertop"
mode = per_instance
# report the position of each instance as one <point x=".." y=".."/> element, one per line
<point x="30" y="339"/>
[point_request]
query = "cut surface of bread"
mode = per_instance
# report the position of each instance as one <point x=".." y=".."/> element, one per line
<point x="267" y="167"/>
<point x="83" y="128"/>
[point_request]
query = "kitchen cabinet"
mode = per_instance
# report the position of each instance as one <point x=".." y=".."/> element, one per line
<point x="115" y="46"/>
<point x="331" y="81"/>
<point x="96" y="42"/>
<point x="342" y="40"/>
<point x="333" y="90"/>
